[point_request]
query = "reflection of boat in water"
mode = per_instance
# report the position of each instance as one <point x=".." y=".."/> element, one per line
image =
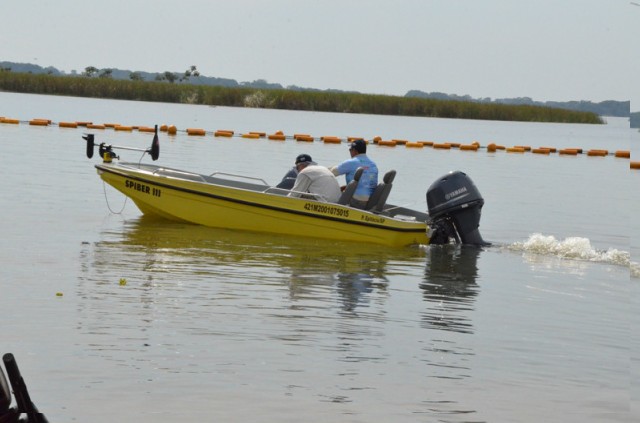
<point x="450" y="286"/>
<point x="231" y="201"/>
<point x="156" y="250"/>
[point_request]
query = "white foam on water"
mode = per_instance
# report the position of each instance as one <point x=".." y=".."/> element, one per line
<point x="575" y="248"/>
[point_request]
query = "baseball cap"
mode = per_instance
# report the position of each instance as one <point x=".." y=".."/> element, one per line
<point x="304" y="158"/>
<point x="359" y="145"/>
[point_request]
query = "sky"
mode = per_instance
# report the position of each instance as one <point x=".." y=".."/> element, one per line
<point x="548" y="50"/>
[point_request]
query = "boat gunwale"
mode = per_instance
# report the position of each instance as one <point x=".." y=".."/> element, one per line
<point x="418" y="226"/>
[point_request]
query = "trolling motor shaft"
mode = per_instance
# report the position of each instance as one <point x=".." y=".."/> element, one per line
<point x="106" y="150"/>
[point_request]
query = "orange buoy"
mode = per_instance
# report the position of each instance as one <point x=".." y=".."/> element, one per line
<point x="414" y="145"/>
<point x="95" y="126"/>
<point x="172" y="130"/>
<point x="296" y="136"/>
<point x="551" y="149"/>
<point x="331" y="140"/>
<point x="278" y="136"/>
<point x="145" y="129"/>
<point x="111" y="125"/>
<point x="251" y="136"/>
<point x="426" y="143"/>
<point x="260" y="134"/>
<point x="540" y="151"/>
<point x="387" y="143"/>
<point x="634" y="165"/>
<point x="376" y="139"/>
<point x="524" y="147"/>
<point x="164" y="128"/>
<point x="578" y="150"/>
<point x="123" y="128"/>
<point x="305" y="138"/>
<point x="469" y="147"/>
<point x="400" y="142"/>
<point x="454" y="144"/>
<point x="223" y="133"/>
<point x="442" y="146"/>
<point x="67" y="125"/>
<point x="39" y="122"/>
<point x="597" y="153"/>
<point x="195" y="131"/>
<point x="8" y="120"/>
<point x="83" y="123"/>
<point x="623" y="154"/>
<point x="515" y="150"/>
<point x="569" y="151"/>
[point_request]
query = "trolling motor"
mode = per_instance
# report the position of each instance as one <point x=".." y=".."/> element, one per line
<point x="455" y="205"/>
<point x="106" y="151"/>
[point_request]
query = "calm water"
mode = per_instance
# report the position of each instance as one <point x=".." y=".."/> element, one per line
<point x="215" y="325"/>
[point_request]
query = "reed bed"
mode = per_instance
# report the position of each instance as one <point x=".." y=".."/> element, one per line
<point x="323" y="101"/>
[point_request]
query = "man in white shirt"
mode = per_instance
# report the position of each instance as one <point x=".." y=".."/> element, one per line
<point x="314" y="179"/>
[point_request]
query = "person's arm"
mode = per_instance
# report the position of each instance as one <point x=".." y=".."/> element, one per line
<point x="302" y="184"/>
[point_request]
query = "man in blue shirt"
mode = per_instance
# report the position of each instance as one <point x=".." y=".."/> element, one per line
<point x="369" y="178"/>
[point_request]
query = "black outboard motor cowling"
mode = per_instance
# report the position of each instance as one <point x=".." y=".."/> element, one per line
<point x="455" y="206"/>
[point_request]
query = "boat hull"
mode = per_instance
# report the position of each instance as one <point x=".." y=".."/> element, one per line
<point x="187" y="197"/>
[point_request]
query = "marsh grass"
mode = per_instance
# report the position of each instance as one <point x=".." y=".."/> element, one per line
<point x="322" y="101"/>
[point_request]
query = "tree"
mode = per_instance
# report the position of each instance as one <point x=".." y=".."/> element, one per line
<point x="90" y="71"/>
<point x="136" y="76"/>
<point x="105" y="73"/>
<point x="192" y="71"/>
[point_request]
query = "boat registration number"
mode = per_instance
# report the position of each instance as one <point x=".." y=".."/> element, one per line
<point x="324" y="209"/>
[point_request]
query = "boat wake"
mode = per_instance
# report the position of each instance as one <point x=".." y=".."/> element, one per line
<point x="575" y="248"/>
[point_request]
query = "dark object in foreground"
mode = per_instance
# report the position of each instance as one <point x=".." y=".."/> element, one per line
<point x="24" y="410"/>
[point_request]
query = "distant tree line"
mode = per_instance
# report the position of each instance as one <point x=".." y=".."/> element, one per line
<point x="160" y="91"/>
<point x="192" y="76"/>
<point x="604" y="108"/>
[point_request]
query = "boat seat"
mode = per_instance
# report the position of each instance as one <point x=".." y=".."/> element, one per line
<point x="347" y="194"/>
<point x="379" y="197"/>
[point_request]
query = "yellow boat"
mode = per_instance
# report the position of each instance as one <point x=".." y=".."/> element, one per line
<point x="224" y="200"/>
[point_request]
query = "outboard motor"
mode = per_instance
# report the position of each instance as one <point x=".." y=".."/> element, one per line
<point x="454" y="205"/>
